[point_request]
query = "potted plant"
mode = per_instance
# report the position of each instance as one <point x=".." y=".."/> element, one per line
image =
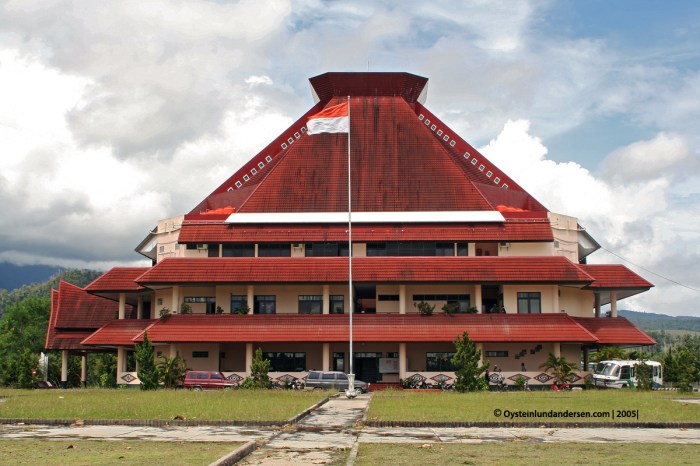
<point x="219" y="310"/>
<point x="425" y="309"/>
<point x="241" y="309"/>
<point x="185" y="308"/>
<point x="450" y="309"/>
<point x="164" y="312"/>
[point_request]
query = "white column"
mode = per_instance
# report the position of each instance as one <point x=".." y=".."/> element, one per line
<point x="250" y="297"/>
<point x="326" y="301"/>
<point x="555" y="299"/>
<point x="176" y="300"/>
<point x="402" y="360"/>
<point x="173" y="350"/>
<point x="248" y="357"/>
<point x="477" y="298"/>
<point x="471" y="250"/>
<point x="139" y="307"/>
<point x="326" y="363"/>
<point x="64" y="367"/>
<point x="83" y="370"/>
<point x="121" y="362"/>
<point x="596" y="304"/>
<point x="480" y="347"/>
<point x="402" y="299"/>
<point x="613" y="304"/>
<point x="122" y="305"/>
<point x="556" y="349"/>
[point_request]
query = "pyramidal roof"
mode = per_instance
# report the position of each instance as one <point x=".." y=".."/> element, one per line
<point x="403" y="159"/>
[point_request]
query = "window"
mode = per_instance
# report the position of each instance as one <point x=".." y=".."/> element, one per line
<point x="462" y="300"/>
<point x="213" y="250"/>
<point x="239" y="303"/>
<point x="326" y="249"/>
<point x="265" y="304"/>
<point x="274" y="250"/>
<point x="392" y="355"/>
<point x="529" y="303"/>
<point x="496" y="354"/>
<point x="286" y="362"/>
<point x="403" y="248"/>
<point x="462" y="249"/>
<point x="310" y="304"/>
<point x="337" y="304"/>
<point x="388" y="297"/>
<point x="436" y="362"/>
<point x="238" y="250"/>
<point x="200" y="354"/>
<point x="444" y="249"/>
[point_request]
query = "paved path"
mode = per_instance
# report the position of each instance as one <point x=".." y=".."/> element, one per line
<point x="316" y="438"/>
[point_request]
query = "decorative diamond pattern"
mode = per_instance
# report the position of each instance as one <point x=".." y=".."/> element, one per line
<point x="128" y="378"/>
<point x="543" y="378"/>
<point x="574" y="378"/>
<point x="515" y="377"/>
<point x="589" y="377"/>
<point x="417" y="378"/>
<point x="286" y="378"/>
<point x="441" y="378"/>
<point x="235" y="378"/>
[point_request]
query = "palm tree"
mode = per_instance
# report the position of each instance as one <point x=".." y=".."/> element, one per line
<point x="172" y="370"/>
<point x="559" y="367"/>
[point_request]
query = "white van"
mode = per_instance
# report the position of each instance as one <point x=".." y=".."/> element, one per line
<point x="621" y="374"/>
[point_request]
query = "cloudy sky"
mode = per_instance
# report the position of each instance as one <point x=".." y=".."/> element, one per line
<point x="116" y="114"/>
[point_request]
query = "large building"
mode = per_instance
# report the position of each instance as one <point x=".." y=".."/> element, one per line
<point x="263" y="261"/>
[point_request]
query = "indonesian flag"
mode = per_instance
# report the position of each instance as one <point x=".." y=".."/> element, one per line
<point x="333" y="119"/>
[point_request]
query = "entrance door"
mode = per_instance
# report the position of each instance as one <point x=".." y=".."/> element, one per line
<point x="366" y="366"/>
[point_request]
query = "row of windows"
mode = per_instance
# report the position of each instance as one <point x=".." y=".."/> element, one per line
<point x="416" y="248"/>
<point x="529" y="302"/>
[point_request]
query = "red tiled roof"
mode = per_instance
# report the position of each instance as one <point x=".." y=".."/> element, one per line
<point x="75" y="314"/>
<point x="614" y="277"/>
<point x="199" y="232"/>
<point x="615" y="331"/>
<point x="118" y="332"/>
<point x="118" y="279"/>
<point x="366" y="328"/>
<point x="406" y="85"/>
<point x="550" y="269"/>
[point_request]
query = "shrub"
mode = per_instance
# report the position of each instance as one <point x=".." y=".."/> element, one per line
<point x="468" y="369"/>
<point x="148" y="372"/>
<point x="425" y="309"/>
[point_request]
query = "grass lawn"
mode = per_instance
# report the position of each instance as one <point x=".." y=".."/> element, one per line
<point x="103" y="453"/>
<point x="245" y="405"/>
<point x="448" y="406"/>
<point x="513" y="453"/>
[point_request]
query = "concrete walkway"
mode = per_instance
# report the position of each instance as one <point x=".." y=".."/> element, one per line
<point x="317" y="438"/>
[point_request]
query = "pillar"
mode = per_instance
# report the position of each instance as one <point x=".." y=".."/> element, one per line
<point x="173" y="351"/>
<point x="139" y="307"/>
<point x="477" y="298"/>
<point x="122" y="305"/>
<point x="326" y="302"/>
<point x="121" y="362"/>
<point x="596" y="304"/>
<point x="402" y="299"/>
<point x="326" y="363"/>
<point x="480" y="347"/>
<point x="556" y="349"/>
<point x="250" y="299"/>
<point x="471" y="250"/>
<point x="402" y="360"/>
<point x="248" y="357"/>
<point x="64" y="367"/>
<point x="176" y="300"/>
<point x="613" y="304"/>
<point x="83" y="370"/>
<point x="555" y="299"/>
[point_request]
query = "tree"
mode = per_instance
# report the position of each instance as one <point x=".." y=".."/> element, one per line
<point x="606" y="353"/>
<point x="560" y="368"/>
<point x="148" y="372"/>
<point x="258" y="372"/>
<point x="643" y="374"/>
<point x="171" y="370"/>
<point x="468" y="367"/>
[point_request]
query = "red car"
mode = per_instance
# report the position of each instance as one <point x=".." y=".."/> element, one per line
<point x="207" y="380"/>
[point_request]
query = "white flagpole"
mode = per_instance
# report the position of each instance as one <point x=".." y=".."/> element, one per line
<point x="351" y="375"/>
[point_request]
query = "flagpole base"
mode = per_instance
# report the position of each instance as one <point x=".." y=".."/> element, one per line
<point x="351" y="392"/>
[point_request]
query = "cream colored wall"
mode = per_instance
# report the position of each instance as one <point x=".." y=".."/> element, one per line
<point x="287" y="300"/>
<point x="194" y="252"/>
<point x="314" y="351"/>
<point x="416" y="353"/>
<point x="196" y="292"/>
<point x="576" y="302"/>
<point x="548" y="297"/>
<point x="298" y="251"/>
<point x="436" y="288"/>
<point x="385" y="307"/>
<point x="205" y="364"/>
<point x="234" y="361"/>
<point x="572" y="353"/>
<point x="565" y="230"/>
<point x="526" y="249"/>
<point x="359" y="249"/>
<point x="168" y="231"/>
<point x="224" y="292"/>
<point x="166" y="295"/>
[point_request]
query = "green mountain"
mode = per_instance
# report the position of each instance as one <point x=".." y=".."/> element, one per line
<point x="78" y="277"/>
<point x="651" y="321"/>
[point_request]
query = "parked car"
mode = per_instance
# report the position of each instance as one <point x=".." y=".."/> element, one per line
<point x="207" y="380"/>
<point x="333" y="380"/>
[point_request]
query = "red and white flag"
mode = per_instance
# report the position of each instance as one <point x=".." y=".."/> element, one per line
<point x="333" y="119"/>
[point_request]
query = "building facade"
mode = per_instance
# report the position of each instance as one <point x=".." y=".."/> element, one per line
<point x="263" y="261"/>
